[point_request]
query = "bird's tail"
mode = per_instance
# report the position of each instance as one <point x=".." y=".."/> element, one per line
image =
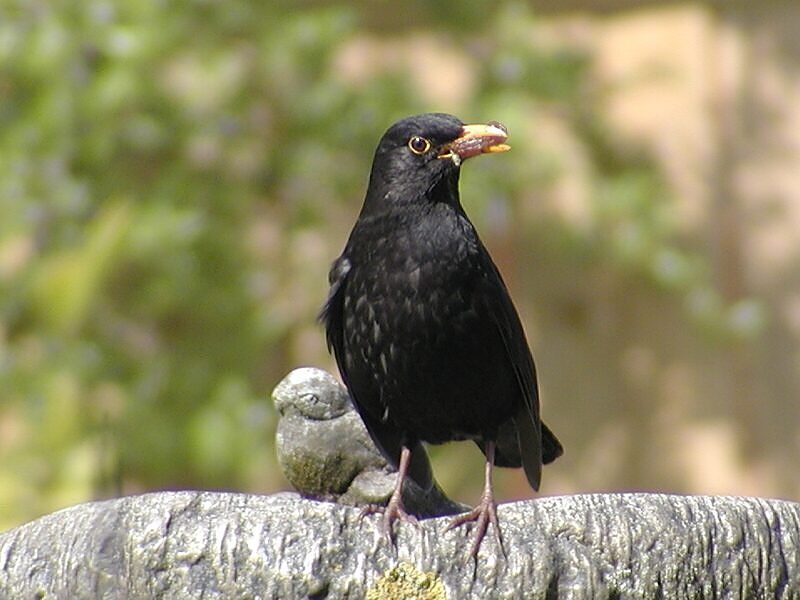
<point x="551" y="447"/>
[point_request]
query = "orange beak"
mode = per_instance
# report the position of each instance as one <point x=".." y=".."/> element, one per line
<point x="476" y="139"/>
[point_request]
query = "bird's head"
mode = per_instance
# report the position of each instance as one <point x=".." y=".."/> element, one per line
<point x="418" y="159"/>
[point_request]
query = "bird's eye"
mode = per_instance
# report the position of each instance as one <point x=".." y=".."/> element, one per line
<point x="419" y="145"/>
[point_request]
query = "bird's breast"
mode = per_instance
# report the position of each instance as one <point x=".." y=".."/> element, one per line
<point x="414" y="282"/>
<point x="416" y="323"/>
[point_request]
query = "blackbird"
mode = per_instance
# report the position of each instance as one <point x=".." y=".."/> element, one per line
<point x="423" y="330"/>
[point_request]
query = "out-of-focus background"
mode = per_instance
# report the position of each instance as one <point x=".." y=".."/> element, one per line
<point x="175" y="178"/>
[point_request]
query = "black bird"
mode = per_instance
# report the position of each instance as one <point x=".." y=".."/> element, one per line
<point x="421" y="324"/>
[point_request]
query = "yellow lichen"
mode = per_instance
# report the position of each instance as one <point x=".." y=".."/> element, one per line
<point x="405" y="582"/>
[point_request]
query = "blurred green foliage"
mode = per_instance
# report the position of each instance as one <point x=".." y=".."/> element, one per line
<point x="174" y="180"/>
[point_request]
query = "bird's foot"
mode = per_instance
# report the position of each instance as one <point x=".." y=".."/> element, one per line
<point x="370" y="509"/>
<point x="393" y="511"/>
<point x="482" y="515"/>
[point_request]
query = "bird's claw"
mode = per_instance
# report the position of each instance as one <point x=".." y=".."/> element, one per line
<point x="396" y="511"/>
<point x="393" y="511"/>
<point x="482" y="515"/>
<point x="369" y="509"/>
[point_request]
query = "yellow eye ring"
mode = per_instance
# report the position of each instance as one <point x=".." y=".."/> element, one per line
<point x="419" y="145"/>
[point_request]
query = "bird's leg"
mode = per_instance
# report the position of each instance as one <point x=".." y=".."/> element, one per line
<point x="394" y="508"/>
<point x="486" y="511"/>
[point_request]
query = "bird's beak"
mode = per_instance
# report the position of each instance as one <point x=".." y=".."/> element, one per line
<point x="476" y="139"/>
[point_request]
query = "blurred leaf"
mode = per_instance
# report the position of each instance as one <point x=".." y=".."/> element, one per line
<point x="67" y="284"/>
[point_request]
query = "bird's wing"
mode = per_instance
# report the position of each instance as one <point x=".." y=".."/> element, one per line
<point x="526" y="419"/>
<point x="388" y="439"/>
<point x="332" y="312"/>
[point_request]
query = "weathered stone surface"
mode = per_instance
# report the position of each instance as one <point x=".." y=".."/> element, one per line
<point x="220" y="545"/>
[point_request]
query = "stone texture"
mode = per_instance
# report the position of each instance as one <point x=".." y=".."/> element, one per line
<point x="221" y="545"/>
